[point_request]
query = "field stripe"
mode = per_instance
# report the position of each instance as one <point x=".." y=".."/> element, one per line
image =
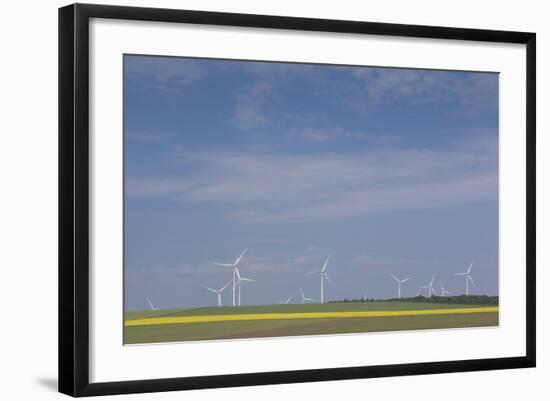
<point x="301" y="315"/>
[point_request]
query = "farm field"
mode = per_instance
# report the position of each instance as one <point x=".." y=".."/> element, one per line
<point x="217" y="323"/>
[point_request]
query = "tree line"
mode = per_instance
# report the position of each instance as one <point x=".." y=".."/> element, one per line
<point x="457" y="299"/>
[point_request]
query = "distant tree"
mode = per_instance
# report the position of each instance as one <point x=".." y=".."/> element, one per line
<point x="458" y="299"/>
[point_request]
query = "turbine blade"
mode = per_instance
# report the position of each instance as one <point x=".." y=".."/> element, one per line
<point x="210" y="289"/>
<point x="395" y="278"/>
<point x="406" y="279"/>
<point x="239" y="258"/>
<point x="302" y="293"/>
<point x="326" y="262"/>
<point x="223" y="288"/>
<point x="328" y="279"/>
<point x="470" y="268"/>
<point x="150" y="304"/>
<point x="223" y="264"/>
<point x="471" y="281"/>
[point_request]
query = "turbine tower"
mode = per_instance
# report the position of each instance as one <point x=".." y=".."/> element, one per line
<point x="444" y="292"/>
<point x="218" y="292"/>
<point x="305" y="299"/>
<point x="323" y="274"/>
<point x="399" y="283"/>
<point x="429" y="288"/>
<point x="468" y="277"/>
<point x="238" y="284"/>
<point x="234" y="267"/>
<point x="151" y="304"/>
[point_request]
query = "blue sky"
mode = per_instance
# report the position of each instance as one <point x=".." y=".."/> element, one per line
<point x="387" y="170"/>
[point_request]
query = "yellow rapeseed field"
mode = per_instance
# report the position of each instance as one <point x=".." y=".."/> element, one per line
<point x="301" y="315"/>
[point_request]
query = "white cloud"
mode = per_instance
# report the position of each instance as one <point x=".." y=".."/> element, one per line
<point x="320" y="135"/>
<point x="270" y="188"/>
<point x="300" y="263"/>
<point x="277" y="71"/>
<point x="250" y="110"/>
<point x="182" y="268"/>
<point x="469" y="91"/>
<point x="250" y="265"/>
<point x="163" y="73"/>
<point x="154" y="187"/>
<point x="146" y="136"/>
<point x="271" y="240"/>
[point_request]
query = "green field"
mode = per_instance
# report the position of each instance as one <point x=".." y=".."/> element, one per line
<point x="295" y="327"/>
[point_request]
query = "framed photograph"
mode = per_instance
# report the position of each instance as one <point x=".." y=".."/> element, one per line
<point x="295" y="199"/>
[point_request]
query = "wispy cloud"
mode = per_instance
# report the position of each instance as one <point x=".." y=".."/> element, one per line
<point x="165" y="74"/>
<point x="321" y="135"/>
<point x="178" y="269"/>
<point x="250" y="109"/>
<point x="147" y="136"/>
<point x="270" y="188"/>
<point x="157" y="187"/>
<point x="383" y="85"/>
<point x="302" y="262"/>
<point x="270" y="241"/>
<point x="253" y="263"/>
<point x="277" y="71"/>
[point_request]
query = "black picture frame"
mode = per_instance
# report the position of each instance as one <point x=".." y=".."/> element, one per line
<point x="74" y="198"/>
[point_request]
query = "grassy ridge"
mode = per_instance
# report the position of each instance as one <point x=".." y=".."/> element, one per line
<point x="297" y="327"/>
<point x="277" y="328"/>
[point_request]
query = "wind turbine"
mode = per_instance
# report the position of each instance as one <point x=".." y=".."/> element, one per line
<point x="399" y="282"/>
<point x="218" y="292"/>
<point x="234" y="267"/>
<point x="429" y="288"/>
<point x="444" y="291"/>
<point x="467" y="277"/>
<point x="239" y="283"/>
<point x="151" y="304"/>
<point x="305" y="299"/>
<point x="287" y="301"/>
<point x="324" y="276"/>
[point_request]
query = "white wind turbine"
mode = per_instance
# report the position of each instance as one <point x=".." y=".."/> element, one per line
<point x="151" y="304"/>
<point x="429" y="288"/>
<point x="323" y="274"/>
<point x="287" y="301"/>
<point x="218" y="292"/>
<point x="443" y="290"/>
<point x="234" y="267"/>
<point x="305" y="299"/>
<point x="399" y="283"/>
<point x="239" y="283"/>
<point x="468" y="278"/>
